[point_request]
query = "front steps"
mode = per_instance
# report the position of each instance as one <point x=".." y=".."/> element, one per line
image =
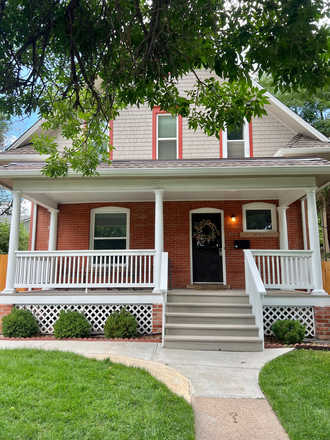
<point x="210" y="320"/>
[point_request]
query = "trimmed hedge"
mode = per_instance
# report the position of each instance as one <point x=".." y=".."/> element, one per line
<point x="288" y="331"/>
<point x="121" y="325"/>
<point x="20" y="323"/>
<point x="71" y="324"/>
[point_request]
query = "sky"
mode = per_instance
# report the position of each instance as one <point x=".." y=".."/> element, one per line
<point x="19" y="127"/>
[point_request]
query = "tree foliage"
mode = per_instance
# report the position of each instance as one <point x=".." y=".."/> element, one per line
<point x="313" y="108"/>
<point x="4" y="237"/>
<point x="4" y="125"/>
<point x="78" y="62"/>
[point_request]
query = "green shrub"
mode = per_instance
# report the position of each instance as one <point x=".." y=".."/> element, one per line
<point x="120" y="325"/>
<point x="19" y="324"/>
<point x="71" y="324"/>
<point x="288" y="331"/>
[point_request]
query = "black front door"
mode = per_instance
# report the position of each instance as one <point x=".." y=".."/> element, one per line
<point x="207" y="248"/>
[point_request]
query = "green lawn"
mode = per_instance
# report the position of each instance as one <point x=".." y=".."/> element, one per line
<point x="297" y="385"/>
<point x="57" y="395"/>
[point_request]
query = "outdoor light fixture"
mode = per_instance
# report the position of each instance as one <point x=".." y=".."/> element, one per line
<point x="233" y="218"/>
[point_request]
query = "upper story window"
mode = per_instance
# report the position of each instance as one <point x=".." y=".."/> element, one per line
<point x="237" y="143"/>
<point x="259" y="217"/>
<point x="166" y="136"/>
<point x="109" y="228"/>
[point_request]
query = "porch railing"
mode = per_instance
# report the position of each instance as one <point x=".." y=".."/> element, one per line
<point x="284" y="269"/>
<point x="255" y="289"/>
<point x="85" y="269"/>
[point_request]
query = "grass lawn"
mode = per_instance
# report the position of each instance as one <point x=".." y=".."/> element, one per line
<point x="297" y="385"/>
<point x="57" y="395"/>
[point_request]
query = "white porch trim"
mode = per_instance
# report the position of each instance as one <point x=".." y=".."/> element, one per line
<point x="159" y="237"/>
<point x="13" y="243"/>
<point x="53" y="229"/>
<point x="283" y="227"/>
<point x="314" y="242"/>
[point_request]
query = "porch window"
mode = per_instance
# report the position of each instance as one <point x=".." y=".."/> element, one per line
<point x="109" y="229"/>
<point x="236" y="143"/>
<point x="259" y="217"/>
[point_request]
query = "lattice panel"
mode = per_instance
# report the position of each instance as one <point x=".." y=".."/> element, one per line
<point x="304" y="314"/>
<point x="47" y="315"/>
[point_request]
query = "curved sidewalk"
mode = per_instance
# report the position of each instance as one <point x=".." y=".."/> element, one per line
<point x="222" y="386"/>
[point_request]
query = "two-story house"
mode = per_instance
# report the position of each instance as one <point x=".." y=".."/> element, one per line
<point x="237" y="214"/>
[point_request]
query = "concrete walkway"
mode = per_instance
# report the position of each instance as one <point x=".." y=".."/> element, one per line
<point x="222" y="386"/>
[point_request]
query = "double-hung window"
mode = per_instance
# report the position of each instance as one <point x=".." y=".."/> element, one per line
<point x="109" y="229"/>
<point x="236" y="143"/>
<point x="167" y="135"/>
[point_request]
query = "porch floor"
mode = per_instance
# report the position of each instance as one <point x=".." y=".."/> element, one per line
<point x="124" y="291"/>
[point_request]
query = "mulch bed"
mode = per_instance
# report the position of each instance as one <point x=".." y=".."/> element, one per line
<point x="139" y="338"/>
<point x="313" y="344"/>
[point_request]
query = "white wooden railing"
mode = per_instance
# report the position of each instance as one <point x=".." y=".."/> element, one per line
<point x="85" y="269"/>
<point x="284" y="269"/>
<point x="163" y="289"/>
<point x="255" y="289"/>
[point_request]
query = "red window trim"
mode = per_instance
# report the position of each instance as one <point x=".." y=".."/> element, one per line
<point x="111" y="138"/>
<point x="250" y="141"/>
<point x="155" y="112"/>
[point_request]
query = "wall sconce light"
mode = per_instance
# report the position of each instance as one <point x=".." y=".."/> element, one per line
<point x="233" y="218"/>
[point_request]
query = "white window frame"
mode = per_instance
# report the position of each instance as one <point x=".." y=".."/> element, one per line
<point x="260" y="206"/>
<point x="108" y="210"/>
<point x="246" y="139"/>
<point x="167" y="139"/>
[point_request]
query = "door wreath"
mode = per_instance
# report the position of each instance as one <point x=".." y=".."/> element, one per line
<point x="203" y="237"/>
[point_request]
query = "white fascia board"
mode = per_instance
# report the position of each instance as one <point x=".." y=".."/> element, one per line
<point x="276" y="102"/>
<point x="23" y="158"/>
<point x="301" y="151"/>
<point x="79" y="299"/>
<point x="312" y="300"/>
<point x="26" y="135"/>
<point x="206" y="172"/>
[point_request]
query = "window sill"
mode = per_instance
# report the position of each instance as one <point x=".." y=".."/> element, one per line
<point x="268" y="234"/>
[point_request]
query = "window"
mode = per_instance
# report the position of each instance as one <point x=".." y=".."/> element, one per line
<point x="237" y="143"/>
<point x="167" y="135"/>
<point x="259" y="217"/>
<point x="109" y="228"/>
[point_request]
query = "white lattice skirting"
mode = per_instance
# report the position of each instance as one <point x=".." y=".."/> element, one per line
<point x="96" y="315"/>
<point x="304" y="314"/>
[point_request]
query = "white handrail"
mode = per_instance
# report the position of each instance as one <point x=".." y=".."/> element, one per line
<point x="84" y="269"/>
<point x="284" y="269"/>
<point x="163" y="288"/>
<point x="255" y="289"/>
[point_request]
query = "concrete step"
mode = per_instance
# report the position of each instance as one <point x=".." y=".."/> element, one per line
<point x="207" y="297"/>
<point x="208" y="307"/>
<point x="211" y="318"/>
<point x="213" y="343"/>
<point x="211" y="330"/>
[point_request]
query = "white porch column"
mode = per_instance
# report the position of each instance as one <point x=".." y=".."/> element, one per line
<point x="159" y="236"/>
<point x="314" y="243"/>
<point x="303" y="221"/>
<point x="13" y="243"/>
<point x="283" y="227"/>
<point x="53" y="229"/>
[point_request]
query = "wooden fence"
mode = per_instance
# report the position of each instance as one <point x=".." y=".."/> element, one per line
<point x="326" y="276"/>
<point x="3" y="271"/>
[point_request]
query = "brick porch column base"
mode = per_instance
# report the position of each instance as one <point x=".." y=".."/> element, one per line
<point x="5" y="309"/>
<point x="322" y="322"/>
<point x="157" y="315"/>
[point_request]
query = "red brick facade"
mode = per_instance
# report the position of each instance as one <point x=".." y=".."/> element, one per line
<point x="4" y="310"/>
<point x="74" y="231"/>
<point x="157" y="310"/>
<point x="322" y="322"/>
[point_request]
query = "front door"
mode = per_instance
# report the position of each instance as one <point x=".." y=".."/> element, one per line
<point x="207" y="248"/>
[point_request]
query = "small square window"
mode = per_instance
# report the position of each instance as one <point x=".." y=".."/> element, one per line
<point x="259" y="217"/>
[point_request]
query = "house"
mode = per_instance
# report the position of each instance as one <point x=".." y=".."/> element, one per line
<point x="239" y="213"/>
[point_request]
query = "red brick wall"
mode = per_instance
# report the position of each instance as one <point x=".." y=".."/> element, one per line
<point x="157" y="318"/>
<point x="5" y="309"/>
<point x="322" y="322"/>
<point x="74" y="228"/>
<point x="294" y="223"/>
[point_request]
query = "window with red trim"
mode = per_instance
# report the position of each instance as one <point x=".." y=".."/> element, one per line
<point x="166" y="135"/>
